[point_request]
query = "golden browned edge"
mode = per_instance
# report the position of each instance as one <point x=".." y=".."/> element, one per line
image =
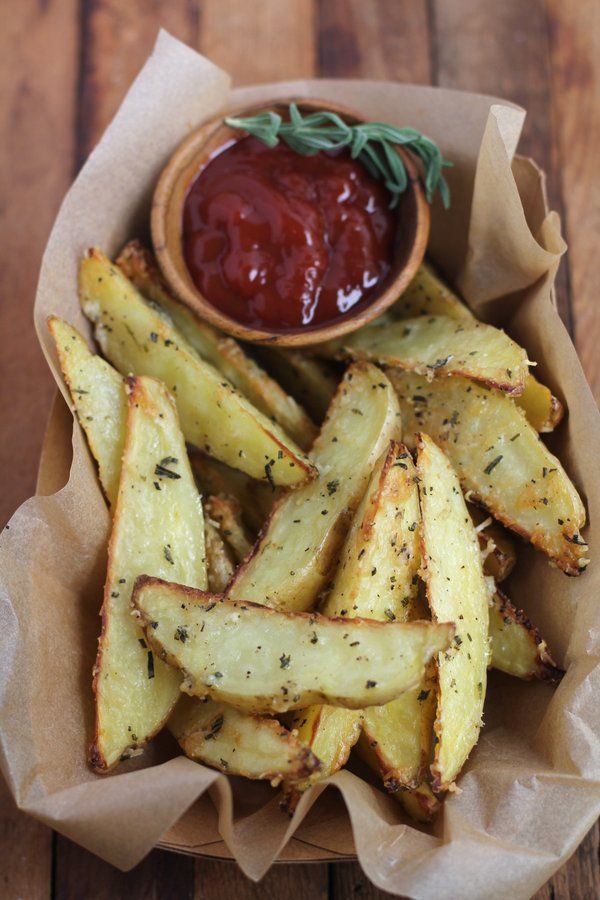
<point x="567" y="561"/>
<point x="546" y="669"/>
<point x="216" y="482"/>
<point x="224" y="509"/>
<point x="497" y="563"/>
<point x="394" y="449"/>
<point x="96" y="758"/>
<point x="437" y="785"/>
<point x="394" y="779"/>
<point x="428" y="805"/>
<point x="255" y="550"/>
<point x="135" y="256"/>
<point x="291" y="793"/>
<point x="50" y="321"/>
<point x="305" y="761"/>
<point x="302" y="461"/>
<point x="351" y="353"/>
<point x="344" y="518"/>
<point x="198" y="596"/>
<point x="557" y="412"/>
<point x="166" y="229"/>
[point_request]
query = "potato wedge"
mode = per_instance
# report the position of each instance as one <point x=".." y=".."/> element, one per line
<point x="329" y="730"/>
<point x="377" y="578"/>
<point x="400" y="735"/>
<point x="223" y="352"/>
<point x="297" y="550"/>
<point x="290" y="659"/>
<point x="256" y="498"/>
<point x="226" y="513"/>
<point x="420" y="803"/>
<point x="214" y="416"/>
<point x="428" y="295"/>
<point x="438" y="346"/>
<point x="377" y="575"/>
<point x="544" y="411"/>
<point x="500" y="461"/>
<point x="388" y="545"/>
<point x="99" y="399"/>
<point x="253" y="746"/>
<point x="516" y="645"/>
<point x="499" y="554"/>
<point x="457" y="590"/>
<point x="219" y="565"/>
<point x="311" y="381"/>
<point x="158" y="527"/>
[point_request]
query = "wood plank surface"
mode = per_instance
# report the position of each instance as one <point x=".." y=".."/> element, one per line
<point x="273" y="41"/>
<point x="66" y="65"/>
<point x="220" y="880"/>
<point x="574" y="30"/>
<point x="37" y="123"/>
<point x="496" y="48"/>
<point x="386" y="39"/>
<point x="37" y="118"/>
<point x="116" y="40"/>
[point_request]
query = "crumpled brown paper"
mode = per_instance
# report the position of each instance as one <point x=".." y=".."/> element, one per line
<point x="532" y="786"/>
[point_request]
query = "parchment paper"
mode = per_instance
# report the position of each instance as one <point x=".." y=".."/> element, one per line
<point x="532" y="786"/>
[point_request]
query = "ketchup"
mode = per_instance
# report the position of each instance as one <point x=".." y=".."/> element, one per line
<point x="283" y="241"/>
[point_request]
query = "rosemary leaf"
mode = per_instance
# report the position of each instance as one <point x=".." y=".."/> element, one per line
<point x="371" y="142"/>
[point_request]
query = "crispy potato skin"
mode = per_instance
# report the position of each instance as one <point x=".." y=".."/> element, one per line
<point x="218" y="564"/>
<point x="226" y="513"/>
<point x="500" y="460"/>
<point x="296" y="552"/>
<point x="496" y="545"/>
<point x="428" y="295"/>
<point x="99" y="400"/>
<point x="254" y="747"/>
<point x="219" y="632"/>
<point x="134" y="694"/>
<point x="437" y="347"/>
<point x="517" y="646"/>
<point x="456" y="589"/>
<point x="214" y="416"/>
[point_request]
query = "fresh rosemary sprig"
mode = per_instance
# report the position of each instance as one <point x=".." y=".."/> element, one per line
<point x="371" y="142"/>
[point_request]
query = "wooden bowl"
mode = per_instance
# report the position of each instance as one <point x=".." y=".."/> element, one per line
<point x="167" y="223"/>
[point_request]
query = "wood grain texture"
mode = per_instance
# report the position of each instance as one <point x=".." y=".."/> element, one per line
<point x="37" y="112"/>
<point x="161" y="876"/>
<point x="501" y="49"/>
<point x="25" y="853"/>
<point x="116" y="40"/>
<point x="579" y="879"/>
<point x="387" y="39"/>
<point x="545" y="58"/>
<point x="575" y="72"/>
<point x="349" y="880"/>
<point x="222" y="881"/>
<point x="259" y="41"/>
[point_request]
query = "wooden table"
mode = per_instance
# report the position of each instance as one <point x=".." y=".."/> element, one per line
<point x="65" y="66"/>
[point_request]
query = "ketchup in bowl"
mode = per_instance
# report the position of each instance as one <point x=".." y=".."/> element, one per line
<point x="282" y="241"/>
